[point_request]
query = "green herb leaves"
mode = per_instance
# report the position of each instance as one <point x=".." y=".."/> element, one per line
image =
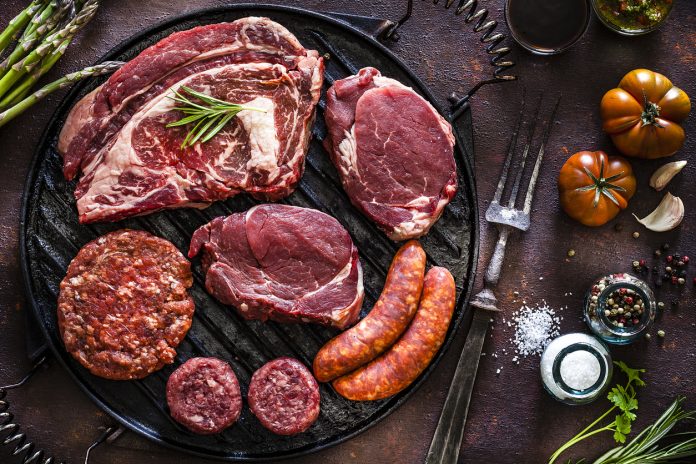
<point x="623" y="398"/>
<point x="657" y="443"/>
<point x="209" y="114"/>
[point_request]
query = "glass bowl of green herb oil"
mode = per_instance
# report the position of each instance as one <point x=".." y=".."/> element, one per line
<point x="632" y="17"/>
<point x="619" y="308"/>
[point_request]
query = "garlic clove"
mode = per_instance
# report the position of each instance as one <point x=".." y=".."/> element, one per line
<point x="665" y="173"/>
<point x="668" y="214"/>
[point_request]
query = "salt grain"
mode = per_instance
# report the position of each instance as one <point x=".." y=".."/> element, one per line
<point x="534" y="329"/>
<point x="580" y="369"/>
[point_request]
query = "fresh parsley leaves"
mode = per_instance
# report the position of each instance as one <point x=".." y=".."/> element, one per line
<point x="624" y="399"/>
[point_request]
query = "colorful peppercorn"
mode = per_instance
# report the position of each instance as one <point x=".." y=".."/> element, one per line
<point x="623" y="307"/>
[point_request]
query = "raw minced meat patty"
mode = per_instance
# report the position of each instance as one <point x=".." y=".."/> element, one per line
<point x="203" y="395"/>
<point x="284" y="396"/>
<point x="124" y="304"/>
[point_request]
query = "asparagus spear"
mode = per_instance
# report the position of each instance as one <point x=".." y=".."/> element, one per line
<point x="98" y="70"/>
<point x="26" y="44"/>
<point x="39" y="18"/>
<point x="21" y="90"/>
<point x="18" y="23"/>
<point x="49" y="45"/>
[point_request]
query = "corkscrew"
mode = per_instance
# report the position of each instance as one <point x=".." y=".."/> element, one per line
<point x="11" y="430"/>
<point x="26" y="450"/>
<point x="482" y="24"/>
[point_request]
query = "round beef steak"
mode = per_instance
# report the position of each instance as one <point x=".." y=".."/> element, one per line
<point x="284" y="396"/>
<point x="124" y="305"/>
<point x="203" y="395"/>
<point x="281" y="262"/>
<point x="393" y="151"/>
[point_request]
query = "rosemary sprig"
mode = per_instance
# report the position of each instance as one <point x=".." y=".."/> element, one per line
<point x="209" y="114"/>
<point x="657" y="444"/>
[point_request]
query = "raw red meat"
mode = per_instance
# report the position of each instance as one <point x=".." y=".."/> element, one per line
<point x="124" y="304"/>
<point x="393" y="152"/>
<point x="203" y="395"/>
<point x="284" y="396"/>
<point x="132" y="164"/>
<point x="284" y="263"/>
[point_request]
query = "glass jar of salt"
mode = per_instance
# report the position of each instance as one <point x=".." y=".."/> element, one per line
<point x="576" y="368"/>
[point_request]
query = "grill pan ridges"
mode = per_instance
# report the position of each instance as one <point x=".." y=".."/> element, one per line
<point x="50" y="237"/>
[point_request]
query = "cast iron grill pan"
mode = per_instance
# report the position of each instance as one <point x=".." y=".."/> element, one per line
<point x="51" y="236"/>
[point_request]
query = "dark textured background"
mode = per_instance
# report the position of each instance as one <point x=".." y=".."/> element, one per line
<point x="512" y="420"/>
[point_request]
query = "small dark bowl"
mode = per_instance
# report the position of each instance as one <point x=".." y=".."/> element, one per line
<point x="545" y="51"/>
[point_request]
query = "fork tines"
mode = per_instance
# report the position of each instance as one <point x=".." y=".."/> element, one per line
<point x="506" y="212"/>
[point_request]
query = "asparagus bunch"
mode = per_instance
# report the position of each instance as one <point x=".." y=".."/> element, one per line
<point x="106" y="67"/>
<point x="41" y="34"/>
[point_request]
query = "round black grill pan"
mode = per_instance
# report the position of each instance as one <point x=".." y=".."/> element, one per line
<point x="51" y="237"/>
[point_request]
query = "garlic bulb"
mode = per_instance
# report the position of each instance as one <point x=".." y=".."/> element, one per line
<point x="665" y="173"/>
<point x="668" y="214"/>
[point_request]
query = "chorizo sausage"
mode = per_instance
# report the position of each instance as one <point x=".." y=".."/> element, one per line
<point x="384" y="324"/>
<point x="403" y="363"/>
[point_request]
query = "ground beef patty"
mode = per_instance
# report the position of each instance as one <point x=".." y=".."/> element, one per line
<point x="284" y="396"/>
<point x="124" y="304"/>
<point x="203" y="395"/>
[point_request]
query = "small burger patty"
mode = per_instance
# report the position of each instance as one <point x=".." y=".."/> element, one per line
<point x="203" y="395"/>
<point x="124" y="305"/>
<point x="284" y="396"/>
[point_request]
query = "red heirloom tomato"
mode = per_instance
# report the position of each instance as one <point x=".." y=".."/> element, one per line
<point x="642" y="115"/>
<point x="594" y="187"/>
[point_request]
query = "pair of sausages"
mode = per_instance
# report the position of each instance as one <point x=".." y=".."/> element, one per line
<point x="390" y="347"/>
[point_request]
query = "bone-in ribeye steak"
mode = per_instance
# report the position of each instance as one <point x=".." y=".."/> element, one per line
<point x="284" y="263"/>
<point x="132" y="164"/>
<point x="393" y="152"/>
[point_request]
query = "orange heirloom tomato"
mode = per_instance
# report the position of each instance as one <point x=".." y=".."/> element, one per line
<point x="594" y="187"/>
<point x="642" y="115"/>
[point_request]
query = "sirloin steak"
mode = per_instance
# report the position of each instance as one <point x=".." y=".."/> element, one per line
<point x="132" y="164"/>
<point x="393" y="152"/>
<point x="284" y="263"/>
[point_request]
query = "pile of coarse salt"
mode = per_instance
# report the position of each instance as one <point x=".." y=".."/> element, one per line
<point x="534" y="329"/>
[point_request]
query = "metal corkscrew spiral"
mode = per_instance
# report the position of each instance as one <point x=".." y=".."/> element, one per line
<point x="11" y="431"/>
<point x="482" y="24"/>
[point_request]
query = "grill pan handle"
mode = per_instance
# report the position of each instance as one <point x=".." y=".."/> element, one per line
<point x="458" y="105"/>
<point x="380" y="29"/>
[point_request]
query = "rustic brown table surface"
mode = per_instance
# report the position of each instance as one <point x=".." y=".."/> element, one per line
<point x="512" y="420"/>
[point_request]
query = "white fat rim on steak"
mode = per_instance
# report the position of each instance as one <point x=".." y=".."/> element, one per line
<point x="113" y="159"/>
<point x="245" y="44"/>
<point x="420" y="222"/>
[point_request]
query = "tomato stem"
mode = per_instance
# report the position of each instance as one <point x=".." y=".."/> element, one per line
<point x="602" y="185"/>
<point x="651" y="111"/>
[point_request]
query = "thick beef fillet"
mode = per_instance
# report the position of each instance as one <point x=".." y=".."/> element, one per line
<point x="132" y="164"/>
<point x="393" y="151"/>
<point x="283" y="263"/>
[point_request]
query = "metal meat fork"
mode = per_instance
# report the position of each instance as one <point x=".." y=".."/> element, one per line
<point x="447" y="440"/>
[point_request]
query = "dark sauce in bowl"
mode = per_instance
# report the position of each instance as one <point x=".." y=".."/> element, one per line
<point x="547" y="27"/>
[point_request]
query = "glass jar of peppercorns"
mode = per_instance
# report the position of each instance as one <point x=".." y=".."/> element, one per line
<point x="619" y="308"/>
